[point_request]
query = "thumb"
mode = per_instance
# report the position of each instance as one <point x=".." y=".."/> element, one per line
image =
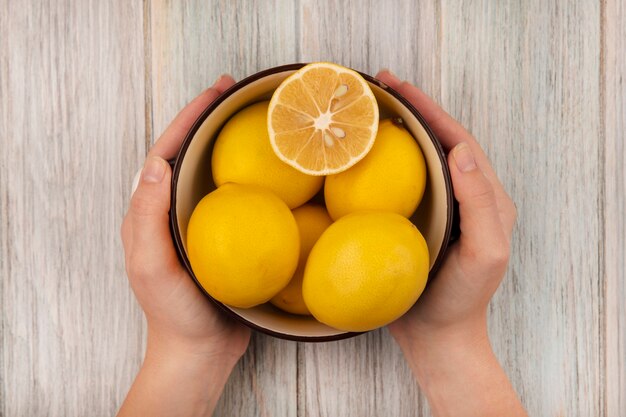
<point x="482" y="233"/>
<point x="152" y="250"/>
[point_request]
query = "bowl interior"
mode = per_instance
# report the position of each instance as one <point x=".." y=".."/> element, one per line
<point x="194" y="181"/>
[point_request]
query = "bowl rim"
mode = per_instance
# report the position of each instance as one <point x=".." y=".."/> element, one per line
<point x="180" y="156"/>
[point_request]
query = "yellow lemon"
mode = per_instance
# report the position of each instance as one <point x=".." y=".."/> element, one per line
<point x="312" y="220"/>
<point x="243" y="154"/>
<point x="243" y="244"/>
<point x="365" y="271"/>
<point x="323" y="119"/>
<point x="392" y="177"/>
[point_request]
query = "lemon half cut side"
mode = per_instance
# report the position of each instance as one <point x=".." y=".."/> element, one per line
<point x="323" y="119"/>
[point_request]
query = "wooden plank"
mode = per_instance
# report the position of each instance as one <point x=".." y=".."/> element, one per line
<point x="366" y="375"/>
<point x="365" y="35"/>
<point x="524" y="78"/>
<point x="192" y="43"/>
<point x="614" y="95"/>
<point x="4" y="195"/>
<point x="72" y="93"/>
<point x="363" y="376"/>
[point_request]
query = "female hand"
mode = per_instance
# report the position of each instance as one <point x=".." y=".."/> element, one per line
<point x="473" y="268"/>
<point x="444" y="336"/>
<point x="189" y="340"/>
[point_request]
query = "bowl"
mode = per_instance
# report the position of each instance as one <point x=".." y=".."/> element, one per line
<point x="192" y="180"/>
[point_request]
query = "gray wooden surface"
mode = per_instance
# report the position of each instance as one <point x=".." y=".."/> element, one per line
<point x="85" y="87"/>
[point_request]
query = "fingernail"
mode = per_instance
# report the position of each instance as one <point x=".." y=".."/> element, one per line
<point x="464" y="158"/>
<point x="136" y="179"/>
<point x="153" y="170"/>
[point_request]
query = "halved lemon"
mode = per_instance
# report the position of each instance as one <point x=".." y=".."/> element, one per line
<point x="322" y="119"/>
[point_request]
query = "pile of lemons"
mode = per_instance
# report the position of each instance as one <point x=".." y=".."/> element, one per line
<point x="312" y="204"/>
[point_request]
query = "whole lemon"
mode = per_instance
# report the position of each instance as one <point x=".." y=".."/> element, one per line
<point x="365" y="271"/>
<point x="392" y="177"/>
<point x="243" y="154"/>
<point x="312" y="220"/>
<point x="243" y="244"/>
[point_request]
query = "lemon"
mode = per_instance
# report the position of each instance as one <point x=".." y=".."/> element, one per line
<point x="243" y="244"/>
<point x="243" y="154"/>
<point x="365" y="271"/>
<point x="392" y="177"/>
<point x="323" y="119"/>
<point x="312" y="220"/>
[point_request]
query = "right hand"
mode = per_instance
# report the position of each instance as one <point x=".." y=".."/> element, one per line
<point x="455" y="303"/>
<point x="444" y="336"/>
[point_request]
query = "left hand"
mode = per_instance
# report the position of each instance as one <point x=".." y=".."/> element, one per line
<point x="180" y="318"/>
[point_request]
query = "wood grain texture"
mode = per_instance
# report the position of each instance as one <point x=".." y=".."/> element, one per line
<point x="614" y="60"/>
<point x="192" y="43"/>
<point x="72" y="112"/>
<point x="366" y="376"/>
<point x="366" y="36"/>
<point x="86" y="87"/>
<point x="363" y="376"/>
<point x="524" y="77"/>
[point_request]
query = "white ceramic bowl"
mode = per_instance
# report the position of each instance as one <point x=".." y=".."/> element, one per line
<point x="192" y="180"/>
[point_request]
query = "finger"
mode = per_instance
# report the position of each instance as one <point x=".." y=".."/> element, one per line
<point x="170" y="141"/>
<point x="450" y="133"/>
<point x="385" y="75"/>
<point x="152" y="253"/>
<point x="482" y="232"/>
<point x="223" y="83"/>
